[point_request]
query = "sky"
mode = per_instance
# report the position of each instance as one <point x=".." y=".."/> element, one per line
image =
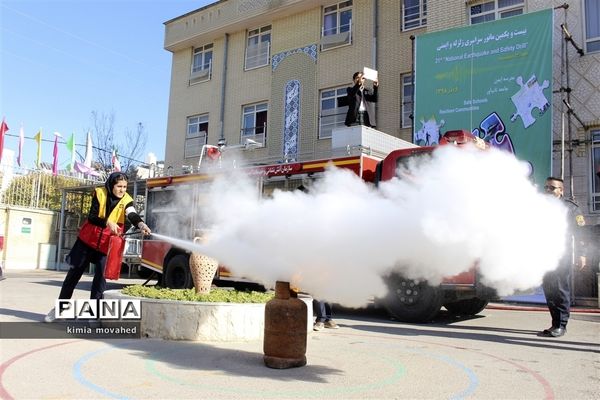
<point x="63" y="59"/>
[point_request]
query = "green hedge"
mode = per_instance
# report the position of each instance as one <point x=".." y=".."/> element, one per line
<point x="215" y="295"/>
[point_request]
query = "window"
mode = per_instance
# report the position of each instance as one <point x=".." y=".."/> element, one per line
<point x="333" y="111"/>
<point x="595" y="134"/>
<point x="414" y="14"/>
<point x="201" y="64"/>
<point x="337" y="25"/>
<point x="407" y="100"/>
<point x="197" y="133"/>
<point x="254" y="124"/>
<point x="496" y="9"/>
<point x="258" y="47"/>
<point x="592" y="25"/>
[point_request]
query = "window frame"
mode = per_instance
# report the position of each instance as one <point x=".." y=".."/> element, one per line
<point x="407" y="107"/>
<point x="202" y="119"/>
<point x="262" y="32"/>
<point x="590" y="40"/>
<point x="340" y="93"/>
<point x="420" y="18"/>
<point x="497" y="12"/>
<point x="341" y="36"/>
<point x="257" y="137"/>
<point x="203" y="74"/>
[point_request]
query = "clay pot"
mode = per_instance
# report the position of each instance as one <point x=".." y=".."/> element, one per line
<point x="285" y="329"/>
<point x="203" y="269"/>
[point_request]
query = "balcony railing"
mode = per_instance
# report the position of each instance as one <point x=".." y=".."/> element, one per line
<point x="254" y="136"/>
<point x="330" y="119"/>
<point x="193" y="145"/>
<point x="338" y="36"/>
<point x="257" y="55"/>
<point x="201" y="75"/>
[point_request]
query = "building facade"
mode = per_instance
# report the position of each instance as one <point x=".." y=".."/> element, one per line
<point x="266" y="77"/>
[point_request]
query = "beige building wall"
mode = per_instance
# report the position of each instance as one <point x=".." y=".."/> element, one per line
<point x="394" y="60"/>
<point x="30" y="237"/>
<point x="296" y="24"/>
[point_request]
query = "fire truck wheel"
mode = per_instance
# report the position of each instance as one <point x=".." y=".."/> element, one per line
<point x="467" y="306"/>
<point x="412" y="301"/>
<point x="178" y="274"/>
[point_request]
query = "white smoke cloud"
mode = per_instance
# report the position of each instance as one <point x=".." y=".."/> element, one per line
<point x="461" y="207"/>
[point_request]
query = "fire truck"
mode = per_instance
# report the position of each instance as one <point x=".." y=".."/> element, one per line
<point x="407" y="300"/>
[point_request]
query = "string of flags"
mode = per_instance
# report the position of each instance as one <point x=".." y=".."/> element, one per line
<point x="84" y="167"/>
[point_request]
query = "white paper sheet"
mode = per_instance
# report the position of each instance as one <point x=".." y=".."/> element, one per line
<point x="370" y="74"/>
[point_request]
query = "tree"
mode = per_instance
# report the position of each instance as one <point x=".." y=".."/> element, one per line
<point x="40" y="190"/>
<point x="130" y="150"/>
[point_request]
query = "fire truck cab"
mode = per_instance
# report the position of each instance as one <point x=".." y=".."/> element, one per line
<point x="417" y="301"/>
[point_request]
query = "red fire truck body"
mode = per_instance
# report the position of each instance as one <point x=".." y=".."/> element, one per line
<point x="407" y="300"/>
<point x="160" y="256"/>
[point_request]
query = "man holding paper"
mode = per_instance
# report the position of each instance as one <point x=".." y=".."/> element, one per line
<point x="361" y="101"/>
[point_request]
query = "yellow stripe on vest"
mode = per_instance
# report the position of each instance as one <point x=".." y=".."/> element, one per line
<point x="117" y="215"/>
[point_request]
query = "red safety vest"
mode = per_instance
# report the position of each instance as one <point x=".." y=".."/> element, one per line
<point x="97" y="237"/>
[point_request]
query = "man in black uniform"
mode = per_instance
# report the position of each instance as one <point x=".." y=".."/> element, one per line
<point x="557" y="283"/>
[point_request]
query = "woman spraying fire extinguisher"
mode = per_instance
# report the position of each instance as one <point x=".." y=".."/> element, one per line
<point x="110" y="205"/>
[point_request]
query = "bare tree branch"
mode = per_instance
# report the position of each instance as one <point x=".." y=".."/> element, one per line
<point x="103" y="136"/>
<point x="135" y="143"/>
<point x="130" y="151"/>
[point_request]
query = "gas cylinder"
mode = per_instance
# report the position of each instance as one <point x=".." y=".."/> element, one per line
<point x="284" y="342"/>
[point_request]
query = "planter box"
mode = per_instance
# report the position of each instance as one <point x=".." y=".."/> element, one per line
<point x="209" y="322"/>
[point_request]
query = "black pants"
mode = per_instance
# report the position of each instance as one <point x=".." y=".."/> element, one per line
<point x="362" y="118"/>
<point x="557" y="289"/>
<point x="80" y="257"/>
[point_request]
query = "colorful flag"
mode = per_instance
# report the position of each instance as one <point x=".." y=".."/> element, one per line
<point x="71" y="148"/>
<point x="84" y="169"/>
<point x="55" y="154"/>
<point x="21" y="141"/>
<point x="86" y="166"/>
<point x="38" y="139"/>
<point x="88" y="151"/>
<point x="3" y="130"/>
<point x="115" y="161"/>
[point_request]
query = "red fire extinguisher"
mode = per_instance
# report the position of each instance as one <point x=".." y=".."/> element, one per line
<point x="114" y="257"/>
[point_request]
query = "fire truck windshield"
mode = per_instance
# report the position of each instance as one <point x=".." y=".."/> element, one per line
<point x="405" y="166"/>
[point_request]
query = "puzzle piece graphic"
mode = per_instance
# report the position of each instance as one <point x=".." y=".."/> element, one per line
<point x="530" y="96"/>
<point x="429" y="134"/>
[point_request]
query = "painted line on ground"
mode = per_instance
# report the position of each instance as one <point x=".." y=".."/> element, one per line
<point x="548" y="392"/>
<point x="4" y="394"/>
<point x="79" y="376"/>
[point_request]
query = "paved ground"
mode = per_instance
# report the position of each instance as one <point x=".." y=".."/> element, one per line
<point x="496" y="355"/>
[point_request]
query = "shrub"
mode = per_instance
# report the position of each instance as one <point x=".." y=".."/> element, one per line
<point x="215" y="296"/>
